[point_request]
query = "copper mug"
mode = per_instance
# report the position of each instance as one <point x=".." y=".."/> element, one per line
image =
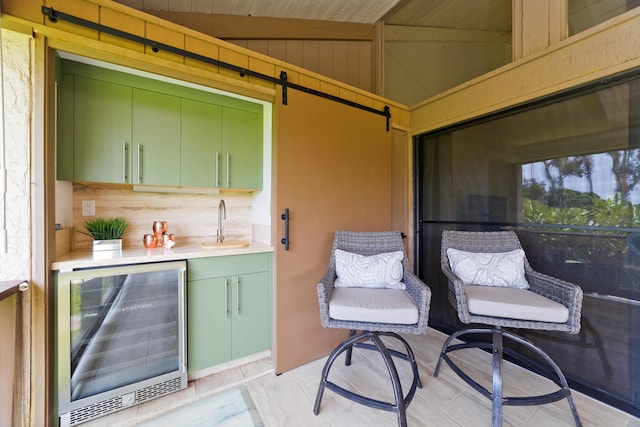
<point x="160" y="227"/>
<point x="149" y="241"/>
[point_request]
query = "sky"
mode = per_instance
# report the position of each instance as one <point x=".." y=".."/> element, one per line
<point x="603" y="179"/>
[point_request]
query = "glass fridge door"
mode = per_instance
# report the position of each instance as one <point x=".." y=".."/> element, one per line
<point x="124" y="326"/>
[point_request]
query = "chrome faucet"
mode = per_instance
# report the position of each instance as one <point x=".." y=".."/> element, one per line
<point x="222" y="214"/>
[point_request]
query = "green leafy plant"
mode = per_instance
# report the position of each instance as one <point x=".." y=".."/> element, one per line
<point x="105" y="228"/>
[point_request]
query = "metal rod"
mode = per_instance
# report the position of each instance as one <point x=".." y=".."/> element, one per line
<point x="55" y="15"/>
<point x="11" y="287"/>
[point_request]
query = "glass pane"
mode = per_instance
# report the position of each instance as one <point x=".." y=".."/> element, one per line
<point x="124" y="329"/>
<point x="584" y="14"/>
<point x="565" y="175"/>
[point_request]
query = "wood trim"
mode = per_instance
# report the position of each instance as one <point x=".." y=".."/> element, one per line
<point x="75" y="38"/>
<point x="229" y="27"/>
<point x="407" y="33"/>
<point x="11" y="287"/>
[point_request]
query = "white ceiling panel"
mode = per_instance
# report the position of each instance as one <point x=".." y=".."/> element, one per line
<point x="489" y="15"/>
<point x="356" y="11"/>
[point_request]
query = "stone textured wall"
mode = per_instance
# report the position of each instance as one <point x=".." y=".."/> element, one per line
<point x="16" y="70"/>
<point x="192" y="218"/>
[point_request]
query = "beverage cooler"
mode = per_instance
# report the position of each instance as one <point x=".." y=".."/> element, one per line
<point x="120" y="337"/>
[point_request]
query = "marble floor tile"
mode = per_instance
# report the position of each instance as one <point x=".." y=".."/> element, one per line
<point x="287" y="400"/>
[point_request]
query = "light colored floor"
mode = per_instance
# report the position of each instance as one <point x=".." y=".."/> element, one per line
<point x="287" y="400"/>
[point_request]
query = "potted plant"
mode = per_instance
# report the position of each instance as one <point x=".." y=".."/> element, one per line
<point x="106" y="232"/>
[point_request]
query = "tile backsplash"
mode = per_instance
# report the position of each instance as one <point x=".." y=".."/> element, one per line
<point x="191" y="217"/>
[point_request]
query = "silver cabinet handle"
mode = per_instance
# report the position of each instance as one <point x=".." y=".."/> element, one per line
<point x="226" y="298"/>
<point x="139" y="162"/>
<point x="228" y="182"/>
<point x="237" y="295"/>
<point x="124" y="161"/>
<point x="217" y="170"/>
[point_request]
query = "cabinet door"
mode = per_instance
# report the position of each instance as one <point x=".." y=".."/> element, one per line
<point x="208" y="323"/>
<point x="201" y="139"/>
<point x="156" y="138"/>
<point x="64" y="128"/>
<point x="242" y="149"/>
<point x="251" y="325"/>
<point x="102" y="131"/>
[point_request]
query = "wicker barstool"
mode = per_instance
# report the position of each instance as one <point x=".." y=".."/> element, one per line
<point x="527" y="308"/>
<point x="370" y="314"/>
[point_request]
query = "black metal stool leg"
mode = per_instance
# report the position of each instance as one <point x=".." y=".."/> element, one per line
<point x="566" y="391"/>
<point x="447" y="344"/>
<point x="347" y="359"/>
<point x="372" y="341"/>
<point x="345" y="345"/>
<point x="496" y="395"/>
<point x="400" y="408"/>
<point x="497" y="349"/>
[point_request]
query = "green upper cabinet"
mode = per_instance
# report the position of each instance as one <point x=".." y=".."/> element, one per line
<point x="221" y="146"/>
<point x="156" y="138"/>
<point x="115" y="127"/>
<point x="242" y="149"/>
<point x="201" y="139"/>
<point x="96" y="133"/>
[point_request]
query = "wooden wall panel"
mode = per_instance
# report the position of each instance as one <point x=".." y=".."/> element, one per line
<point x="341" y="57"/>
<point x="295" y="52"/>
<point x="276" y="49"/>
<point x="347" y="61"/>
<point x="327" y="59"/>
<point x="587" y="57"/>
<point x="311" y="55"/>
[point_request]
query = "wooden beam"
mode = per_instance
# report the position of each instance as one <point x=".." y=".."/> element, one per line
<point x="229" y="27"/>
<point x="10" y="287"/>
<point x="406" y="33"/>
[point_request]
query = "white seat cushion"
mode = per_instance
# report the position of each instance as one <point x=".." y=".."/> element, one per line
<point x="514" y="303"/>
<point x="373" y="305"/>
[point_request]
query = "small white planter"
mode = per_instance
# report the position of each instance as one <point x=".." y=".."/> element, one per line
<point x="107" y="245"/>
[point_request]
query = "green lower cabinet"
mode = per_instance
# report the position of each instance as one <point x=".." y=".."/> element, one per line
<point x="208" y="324"/>
<point x="251" y="317"/>
<point x="228" y="317"/>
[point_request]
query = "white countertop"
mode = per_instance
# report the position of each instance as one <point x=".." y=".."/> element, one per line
<point x="88" y="259"/>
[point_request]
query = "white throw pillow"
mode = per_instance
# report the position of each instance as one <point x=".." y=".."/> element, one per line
<point x="376" y="271"/>
<point x="504" y="269"/>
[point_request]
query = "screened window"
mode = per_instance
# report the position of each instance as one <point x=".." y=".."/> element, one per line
<point x="584" y="14"/>
<point x="565" y="175"/>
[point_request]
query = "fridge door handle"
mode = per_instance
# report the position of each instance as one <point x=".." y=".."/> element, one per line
<point x="183" y="316"/>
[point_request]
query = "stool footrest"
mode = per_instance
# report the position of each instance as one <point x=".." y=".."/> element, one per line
<point x="496" y="348"/>
<point x="368" y="340"/>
